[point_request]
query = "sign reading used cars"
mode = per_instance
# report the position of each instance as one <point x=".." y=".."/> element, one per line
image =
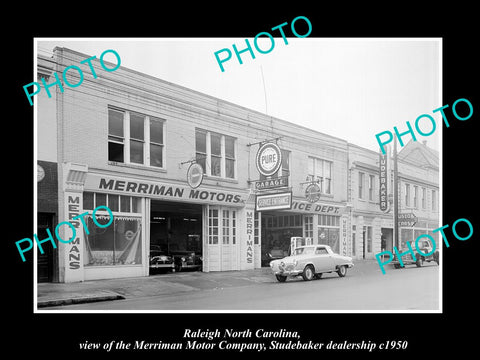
<point x="407" y="219"/>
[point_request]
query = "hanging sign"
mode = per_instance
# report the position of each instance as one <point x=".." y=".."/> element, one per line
<point x="383" y="183"/>
<point x="268" y="159"/>
<point x="276" y="201"/>
<point x="274" y="183"/>
<point x="194" y="175"/>
<point x="312" y="193"/>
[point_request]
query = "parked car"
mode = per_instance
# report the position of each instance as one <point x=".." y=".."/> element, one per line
<point x="159" y="260"/>
<point x="186" y="260"/>
<point x="273" y="254"/>
<point x="311" y="262"/>
<point x="425" y="247"/>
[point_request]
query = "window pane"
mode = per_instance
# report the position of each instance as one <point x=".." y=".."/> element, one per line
<point x="136" y="204"/>
<point x="229" y="147"/>
<point x="113" y="202"/>
<point x="156" y="130"/>
<point x="100" y="199"/>
<point x="115" y="123"/>
<point x="88" y="201"/>
<point x="319" y="167"/>
<point x="128" y="241"/>
<point x="201" y="141"/>
<point x="136" y="152"/>
<point x="230" y="168"/>
<point x="136" y="126"/>
<point x="215" y="166"/>
<point x="156" y="157"/>
<point x="124" y="203"/>
<point x="115" y="152"/>
<point x="200" y="159"/>
<point x="216" y="147"/>
<point x="328" y="169"/>
<point x="285" y="160"/>
<point x="99" y="244"/>
<point x="310" y="166"/>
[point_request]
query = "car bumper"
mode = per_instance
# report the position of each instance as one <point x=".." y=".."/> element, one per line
<point x="162" y="266"/>
<point x="288" y="272"/>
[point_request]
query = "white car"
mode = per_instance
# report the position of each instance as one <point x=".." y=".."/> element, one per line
<point x="311" y="262"/>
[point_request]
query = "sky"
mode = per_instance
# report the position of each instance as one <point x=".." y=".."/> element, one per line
<point x="350" y="88"/>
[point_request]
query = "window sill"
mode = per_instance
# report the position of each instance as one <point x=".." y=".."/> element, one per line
<point x="137" y="166"/>
<point x="217" y="178"/>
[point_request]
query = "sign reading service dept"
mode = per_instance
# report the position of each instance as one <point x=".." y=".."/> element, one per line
<point x="268" y="159"/>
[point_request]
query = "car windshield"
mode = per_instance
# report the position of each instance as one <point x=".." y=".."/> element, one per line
<point x="304" y="250"/>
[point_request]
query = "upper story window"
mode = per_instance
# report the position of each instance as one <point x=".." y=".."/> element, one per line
<point x="407" y="194"/>
<point x="424" y="197"/>
<point x="216" y="153"/>
<point x="361" y="181"/>
<point x="321" y="171"/>
<point x="135" y="138"/>
<point x="371" y="187"/>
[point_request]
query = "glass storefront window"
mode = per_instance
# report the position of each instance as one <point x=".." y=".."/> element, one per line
<point x="329" y="236"/>
<point x="118" y="244"/>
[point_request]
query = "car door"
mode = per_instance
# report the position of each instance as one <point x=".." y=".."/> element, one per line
<point x="323" y="260"/>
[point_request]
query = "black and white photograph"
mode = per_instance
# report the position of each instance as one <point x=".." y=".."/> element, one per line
<point x="243" y="183"/>
<point x="225" y="199"/>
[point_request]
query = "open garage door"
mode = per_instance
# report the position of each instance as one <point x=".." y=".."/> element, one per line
<point x="175" y="234"/>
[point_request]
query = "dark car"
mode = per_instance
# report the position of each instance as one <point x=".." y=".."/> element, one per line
<point x="186" y="260"/>
<point x="160" y="261"/>
<point x="425" y="247"/>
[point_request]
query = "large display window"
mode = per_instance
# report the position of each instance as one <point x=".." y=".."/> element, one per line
<point x="329" y="231"/>
<point x="121" y="242"/>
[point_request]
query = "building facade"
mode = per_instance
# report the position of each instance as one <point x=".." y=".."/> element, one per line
<point x="127" y="140"/>
<point x="372" y="229"/>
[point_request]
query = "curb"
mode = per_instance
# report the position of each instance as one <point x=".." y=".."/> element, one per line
<point x="78" y="300"/>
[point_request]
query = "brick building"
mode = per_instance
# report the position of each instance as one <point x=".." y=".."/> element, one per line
<point x="126" y="140"/>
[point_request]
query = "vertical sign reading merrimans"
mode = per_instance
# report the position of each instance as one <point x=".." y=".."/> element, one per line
<point x="383" y="182"/>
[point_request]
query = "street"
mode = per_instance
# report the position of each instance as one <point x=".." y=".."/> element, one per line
<point x="407" y="289"/>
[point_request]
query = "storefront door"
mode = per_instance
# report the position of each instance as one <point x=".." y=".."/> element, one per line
<point x="45" y="264"/>
<point x="222" y="239"/>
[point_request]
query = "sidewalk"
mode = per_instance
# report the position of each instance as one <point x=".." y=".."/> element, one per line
<point x="57" y="294"/>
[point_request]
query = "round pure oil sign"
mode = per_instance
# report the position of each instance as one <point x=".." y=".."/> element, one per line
<point x="269" y="159"/>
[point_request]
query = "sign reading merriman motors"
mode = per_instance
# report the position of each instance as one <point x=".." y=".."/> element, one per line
<point x="165" y="191"/>
<point x="268" y="159"/>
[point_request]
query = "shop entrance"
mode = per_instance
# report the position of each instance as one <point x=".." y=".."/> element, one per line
<point x="176" y="234"/>
<point x="387" y="239"/>
<point x="277" y="230"/>
<point x="45" y="261"/>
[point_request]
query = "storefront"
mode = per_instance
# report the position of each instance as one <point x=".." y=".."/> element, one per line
<point x="218" y="225"/>
<point x="320" y="221"/>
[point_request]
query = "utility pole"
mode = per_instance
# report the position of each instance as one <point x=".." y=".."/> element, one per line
<point x="396" y="240"/>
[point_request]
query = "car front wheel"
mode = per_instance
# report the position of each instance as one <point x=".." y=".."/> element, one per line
<point x="342" y="271"/>
<point x="308" y="273"/>
<point x="281" y="278"/>
<point x="419" y="262"/>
